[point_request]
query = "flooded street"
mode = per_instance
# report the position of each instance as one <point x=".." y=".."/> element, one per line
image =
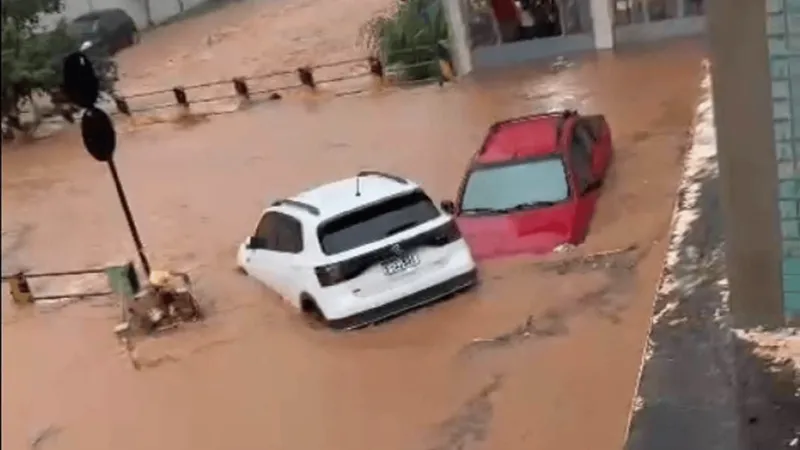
<point x="255" y="375"/>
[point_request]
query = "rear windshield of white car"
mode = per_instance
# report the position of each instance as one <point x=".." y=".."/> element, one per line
<point x="376" y="222"/>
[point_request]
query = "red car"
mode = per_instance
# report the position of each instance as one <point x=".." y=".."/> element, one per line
<point x="534" y="184"/>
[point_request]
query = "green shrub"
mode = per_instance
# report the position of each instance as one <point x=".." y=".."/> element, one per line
<point x="409" y="37"/>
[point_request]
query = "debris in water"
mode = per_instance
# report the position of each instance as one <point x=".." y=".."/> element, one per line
<point x="564" y="248"/>
<point x="622" y="258"/>
<point x="128" y="346"/>
<point x="554" y="322"/>
<point x="471" y="422"/>
<point x="561" y="63"/>
<point x="42" y="435"/>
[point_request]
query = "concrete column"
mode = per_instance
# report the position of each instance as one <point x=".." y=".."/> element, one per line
<point x="748" y="169"/>
<point x="602" y="23"/>
<point x="459" y="36"/>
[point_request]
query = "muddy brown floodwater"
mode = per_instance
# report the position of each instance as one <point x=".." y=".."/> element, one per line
<point x="560" y="375"/>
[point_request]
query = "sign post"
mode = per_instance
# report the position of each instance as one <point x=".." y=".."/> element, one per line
<point x="129" y="217"/>
<point x="81" y="86"/>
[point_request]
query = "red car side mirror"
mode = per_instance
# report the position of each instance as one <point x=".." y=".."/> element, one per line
<point x="448" y="206"/>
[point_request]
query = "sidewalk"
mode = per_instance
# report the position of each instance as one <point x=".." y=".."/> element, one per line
<point x="702" y="387"/>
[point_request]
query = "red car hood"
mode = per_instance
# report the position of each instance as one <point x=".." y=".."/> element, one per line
<point x="536" y="231"/>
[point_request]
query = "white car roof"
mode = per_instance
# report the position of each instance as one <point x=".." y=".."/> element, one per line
<point x="340" y="196"/>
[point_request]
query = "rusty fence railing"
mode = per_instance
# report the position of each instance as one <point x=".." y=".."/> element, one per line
<point x="250" y="88"/>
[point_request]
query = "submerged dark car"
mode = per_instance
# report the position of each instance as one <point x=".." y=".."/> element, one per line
<point x="104" y="31"/>
<point x="99" y="34"/>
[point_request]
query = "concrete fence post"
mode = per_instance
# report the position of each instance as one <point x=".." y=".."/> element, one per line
<point x="20" y="290"/>
<point x="306" y="76"/>
<point x="241" y="88"/>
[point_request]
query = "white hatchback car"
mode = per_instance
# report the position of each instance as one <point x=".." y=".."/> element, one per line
<point x="359" y="250"/>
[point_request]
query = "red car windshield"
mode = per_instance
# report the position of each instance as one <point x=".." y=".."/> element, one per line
<point x="516" y="186"/>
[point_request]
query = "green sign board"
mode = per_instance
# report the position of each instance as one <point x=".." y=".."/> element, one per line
<point x="123" y="280"/>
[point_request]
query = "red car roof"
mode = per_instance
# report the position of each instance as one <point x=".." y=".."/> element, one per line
<point x="525" y="137"/>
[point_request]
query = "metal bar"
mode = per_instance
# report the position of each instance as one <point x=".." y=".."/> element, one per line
<point x="58" y="274"/>
<point x="270" y="74"/>
<point x="344" y="77"/>
<point x="154" y="107"/>
<point x="67" y="296"/>
<point x="216" y="98"/>
<point x="340" y="63"/>
<point x="129" y="217"/>
<point x="148" y="94"/>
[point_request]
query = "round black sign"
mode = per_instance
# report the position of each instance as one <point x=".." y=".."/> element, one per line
<point x="98" y="134"/>
<point x="81" y="85"/>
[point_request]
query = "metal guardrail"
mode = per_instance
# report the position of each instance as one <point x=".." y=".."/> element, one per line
<point x="242" y="86"/>
<point x="122" y="280"/>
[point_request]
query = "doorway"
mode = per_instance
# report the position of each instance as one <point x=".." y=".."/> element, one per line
<point x="506" y="32"/>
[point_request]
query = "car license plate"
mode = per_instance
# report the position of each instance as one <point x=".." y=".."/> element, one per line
<point x="400" y="264"/>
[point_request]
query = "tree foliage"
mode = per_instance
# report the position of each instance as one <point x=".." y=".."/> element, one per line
<point x="408" y="35"/>
<point x="31" y="56"/>
<point x="28" y="13"/>
<point x="28" y="54"/>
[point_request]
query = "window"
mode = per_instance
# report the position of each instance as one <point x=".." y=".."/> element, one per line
<point x="290" y="235"/>
<point x="576" y="17"/>
<point x="266" y="227"/>
<point x="376" y="222"/>
<point x="627" y="12"/>
<point x="662" y="9"/>
<point x="583" y="135"/>
<point x="481" y="23"/>
<point x="502" y="187"/>
<point x="83" y="29"/>
<point x="280" y="233"/>
<point x="582" y="156"/>
<point x="693" y="7"/>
